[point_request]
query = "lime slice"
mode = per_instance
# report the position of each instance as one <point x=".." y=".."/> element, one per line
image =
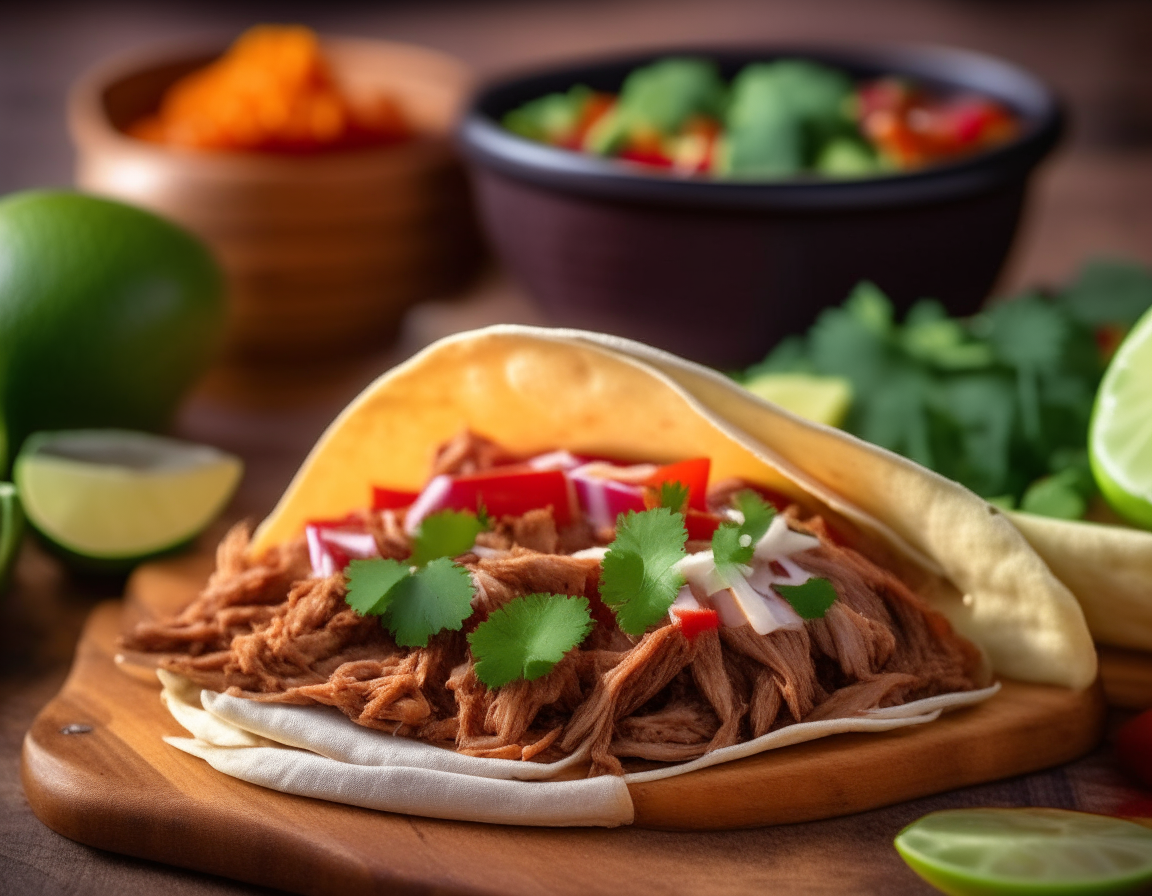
<point x="117" y="496"/>
<point x="993" y="852"/>
<point x="823" y="399"/>
<point x="11" y="530"/>
<point x="1120" y="436"/>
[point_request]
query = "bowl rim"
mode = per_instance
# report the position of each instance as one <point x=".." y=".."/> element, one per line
<point x="90" y="128"/>
<point x="488" y="145"/>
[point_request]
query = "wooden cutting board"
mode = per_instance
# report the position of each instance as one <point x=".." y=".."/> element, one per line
<point x="1127" y="677"/>
<point x="95" y="769"/>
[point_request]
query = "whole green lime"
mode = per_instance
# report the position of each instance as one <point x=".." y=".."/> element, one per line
<point x="108" y="314"/>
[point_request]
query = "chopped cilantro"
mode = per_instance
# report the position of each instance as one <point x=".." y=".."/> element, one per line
<point x="992" y="400"/>
<point x="638" y="579"/>
<point x="673" y="495"/>
<point x="447" y="533"/>
<point x="758" y="514"/>
<point x="528" y="636"/>
<point x="430" y="600"/>
<point x="733" y="545"/>
<point x="371" y="582"/>
<point x="811" y="600"/>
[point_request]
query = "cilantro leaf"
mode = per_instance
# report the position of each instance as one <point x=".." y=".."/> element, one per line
<point x="673" y="495"/>
<point x="811" y="600"/>
<point x="435" y="597"/>
<point x="638" y="579"/>
<point x="733" y="545"/>
<point x="528" y="636"/>
<point x="758" y="514"/>
<point x="730" y="549"/>
<point x="1108" y="291"/>
<point x="371" y="583"/>
<point x="447" y="533"/>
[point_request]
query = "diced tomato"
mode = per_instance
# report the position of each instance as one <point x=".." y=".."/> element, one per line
<point x="502" y="491"/>
<point x="647" y="154"/>
<point x="391" y="499"/>
<point x="693" y="621"/>
<point x="691" y="473"/>
<point x="1134" y="747"/>
<point x="701" y="524"/>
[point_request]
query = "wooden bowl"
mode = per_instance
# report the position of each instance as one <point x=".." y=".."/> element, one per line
<point x="323" y="253"/>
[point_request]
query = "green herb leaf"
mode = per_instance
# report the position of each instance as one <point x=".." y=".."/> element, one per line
<point x="758" y="514"/>
<point x="528" y="636"/>
<point x="673" y="496"/>
<point x="448" y="533"/>
<point x="811" y="600"/>
<point x="1108" y="291"/>
<point x="637" y="579"/>
<point x="434" y="598"/>
<point x="371" y="583"/>
<point x="733" y="545"/>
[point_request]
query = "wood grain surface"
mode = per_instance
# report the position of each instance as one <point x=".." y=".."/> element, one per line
<point x="96" y="770"/>
<point x="1127" y="677"/>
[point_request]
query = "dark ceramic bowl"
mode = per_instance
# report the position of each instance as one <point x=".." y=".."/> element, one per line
<point x="719" y="271"/>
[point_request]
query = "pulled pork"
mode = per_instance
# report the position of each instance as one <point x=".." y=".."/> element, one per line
<point x="265" y="630"/>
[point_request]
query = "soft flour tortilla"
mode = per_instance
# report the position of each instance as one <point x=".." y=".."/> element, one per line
<point x="536" y="390"/>
<point x="1108" y="568"/>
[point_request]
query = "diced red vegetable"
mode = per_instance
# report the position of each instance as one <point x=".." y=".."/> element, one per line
<point x="502" y="491"/>
<point x="691" y="473"/>
<point x="693" y="621"/>
<point x="392" y="499"/>
<point x="1134" y="747"/>
<point x="701" y="524"/>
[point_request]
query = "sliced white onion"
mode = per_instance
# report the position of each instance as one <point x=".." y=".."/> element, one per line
<point x="685" y="600"/>
<point x="554" y="460"/>
<point x="357" y="545"/>
<point x="699" y="570"/>
<point x="780" y="541"/>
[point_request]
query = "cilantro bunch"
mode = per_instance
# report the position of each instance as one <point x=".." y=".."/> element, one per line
<point x="999" y="402"/>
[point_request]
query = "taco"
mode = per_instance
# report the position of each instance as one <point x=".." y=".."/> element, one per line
<point x="537" y="554"/>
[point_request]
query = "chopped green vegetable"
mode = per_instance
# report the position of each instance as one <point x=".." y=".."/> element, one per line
<point x="811" y="600"/>
<point x="638" y="579"/>
<point x="432" y="599"/>
<point x="528" y="636"/>
<point x="993" y="401"/>
<point x="371" y="582"/>
<point x="781" y="116"/>
<point x="733" y="545"/>
<point x="551" y="119"/>
<point x="674" y="496"/>
<point x="447" y="533"/>
<point x="758" y="514"/>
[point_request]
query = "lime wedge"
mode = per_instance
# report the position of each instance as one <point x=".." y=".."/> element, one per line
<point x="823" y="399"/>
<point x="117" y="497"/>
<point x="11" y="530"/>
<point x="1046" y="852"/>
<point x="1120" y="435"/>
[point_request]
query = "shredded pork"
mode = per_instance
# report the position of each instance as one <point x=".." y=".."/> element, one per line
<point x="265" y="630"/>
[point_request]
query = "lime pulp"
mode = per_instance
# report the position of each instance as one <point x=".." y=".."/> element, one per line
<point x="823" y="399"/>
<point x="1042" y="852"/>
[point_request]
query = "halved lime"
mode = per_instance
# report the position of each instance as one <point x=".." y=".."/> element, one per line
<point x="11" y="530"/>
<point x="1120" y="435"/>
<point x="824" y="399"/>
<point x="1046" y="852"/>
<point x="116" y="496"/>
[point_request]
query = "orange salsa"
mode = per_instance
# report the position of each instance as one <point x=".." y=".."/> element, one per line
<point x="273" y="91"/>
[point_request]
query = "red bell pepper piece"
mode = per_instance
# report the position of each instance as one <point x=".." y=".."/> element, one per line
<point x="693" y="621"/>
<point x="502" y="491"/>
<point x="701" y="525"/>
<point x="391" y="498"/>
<point x="691" y="473"/>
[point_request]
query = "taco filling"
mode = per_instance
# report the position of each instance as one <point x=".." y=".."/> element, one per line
<point x="535" y="607"/>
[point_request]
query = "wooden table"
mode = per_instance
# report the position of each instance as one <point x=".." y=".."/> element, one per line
<point x="1095" y="197"/>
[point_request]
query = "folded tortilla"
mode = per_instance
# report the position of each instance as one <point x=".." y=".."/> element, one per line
<point x="534" y="390"/>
